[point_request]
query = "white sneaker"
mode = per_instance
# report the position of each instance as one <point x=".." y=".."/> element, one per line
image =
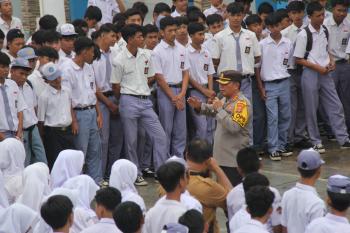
<point x="140" y="181"/>
<point x="319" y="148"/>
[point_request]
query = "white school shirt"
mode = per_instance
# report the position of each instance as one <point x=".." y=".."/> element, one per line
<point x="201" y="64"/>
<point x="225" y="49"/>
<point x="338" y="37"/>
<point x="300" y="205"/>
<point x="80" y="82"/>
<point x="100" y="69"/>
<point x="118" y="47"/>
<point x="29" y="114"/>
<point x="54" y="107"/>
<point x="319" y="52"/>
<point x="170" y="61"/>
<point x="63" y="57"/>
<point x="209" y="43"/>
<point x="274" y="58"/>
<point x="16" y="23"/>
<point x="189" y="201"/>
<point x="38" y="82"/>
<point x="16" y="103"/>
<point x="291" y="33"/>
<point x="163" y="212"/>
<point x="252" y="226"/>
<point x="213" y="10"/>
<point x="132" y="72"/>
<point x="329" y="223"/>
<point x="109" y="8"/>
<point x="175" y="14"/>
<point x="105" y="225"/>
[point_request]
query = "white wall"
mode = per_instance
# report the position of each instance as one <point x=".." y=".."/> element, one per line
<point x="53" y="7"/>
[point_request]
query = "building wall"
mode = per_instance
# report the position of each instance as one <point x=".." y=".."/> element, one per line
<point x="30" y="10"/>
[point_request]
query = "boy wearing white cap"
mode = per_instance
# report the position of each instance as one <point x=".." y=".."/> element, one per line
<point x="301" y="204"/>
<point x="57" y="122"/>
<point x="33" y="144"/>
<point x="338" y="190"/>
<point x="68" y="36"/>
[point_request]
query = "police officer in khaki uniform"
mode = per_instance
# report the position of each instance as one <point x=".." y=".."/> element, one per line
<point x="232" y="114"/>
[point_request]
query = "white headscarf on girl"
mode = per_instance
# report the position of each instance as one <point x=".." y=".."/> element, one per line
<point x="123" y="176"/>
<point x="36" y="178"/>
<point x="68" y="164"/>
<point x="12" y="156"/>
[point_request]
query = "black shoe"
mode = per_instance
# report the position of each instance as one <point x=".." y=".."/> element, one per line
<point x="303" y="144"/>
<point x="346" y="145"/>
<point x="331" y="138"/>
<point x="286" y="152"/>
<point x="275" y="156"/>
<point x="147" y="172"/>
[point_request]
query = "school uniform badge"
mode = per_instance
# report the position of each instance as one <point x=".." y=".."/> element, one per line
<point x="247" y="49"/>
<point x="240" y="113"/>
<point x="206" y="67"/>
<point x="92" y="85"/>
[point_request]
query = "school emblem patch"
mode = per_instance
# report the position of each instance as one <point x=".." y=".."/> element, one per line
<point x="240" y="113"/>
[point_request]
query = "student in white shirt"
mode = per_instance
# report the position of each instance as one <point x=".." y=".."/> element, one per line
<point x="173" y="178"/>
<point x="180" y="8"/>
<point x="52" y="39"/>
<point x="133" y="16"/>
<point x="107" y="199"/>
<point x="273" y="84"/>
<point x="160" y="9"/>
<point x="35" y="151"/>
<point x="15" y="41"/>
<point x="216" y="7"/>
<point x="171" y="66"/>
<point x="338" y="200"/>
<point x="182" y="37"/>
<point x="215" y="24"/>
<point x="108" y="8"/>
<point x="128" y="217"/>
<point x="301" y="204"/>
<point x="201" y="80"/>
<point x="264" y="10"/>
<point x="57" y="212"/>
<point x="7" y="21"/>
<point x="68" y="36"/>
<point x="92" y="16"/>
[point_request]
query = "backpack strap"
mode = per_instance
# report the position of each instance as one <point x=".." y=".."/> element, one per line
<point x="29" y="83"/>
<point x="326" y="31"/>
<point x="308" y="42"/>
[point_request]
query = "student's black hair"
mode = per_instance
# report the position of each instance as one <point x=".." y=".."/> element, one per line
<point x="2" y="35"/>
<point x="194" y="16"/>
<point x="254" y="179"/>
<point x="13" y="34"/>
<point x="161" y="7"/>
<point x="38" y="37"/>
<point x="106" y="28"/>
<point x="108" y="197"/>
<point x="192" y="9"/>
<point x="82" y="43"/>
<point x="282" y="13"/>
<point x="167" y="21"/>
<point x="97" y="52"/>
<point x="181" y="20"/>
<point x="48" y="22"/>
<point x="93" y="13"/>
<point x="273" y="19"/>
<point x="244" y="2"/>
<point x="4" y="59"/>
<point x="307" y="173"/>
<point x="312" y="7"/>
<point x="80" y="23"/>
<point x="259" y="200"/>
<point x="49" y="52"/>
<point x="50" y="36"/>
<point x="199" y="151"/>
<point x="251" y="19"/>
<point x="339" y="201"/>
<point x="128" y="217"/>
<point x="149" y="28"/>
<point x="193" y="220"/>
<point x="235" y="8"/>
<point x="131" y="12"/>
<point x="296" y="6"/>
<point x="119" y="26"/>
<point x="265" y="8"/>
<point x="169" y="175"/>
<point x="56" y="211"/>
<point x="340" y="2"/>
<point x="248" y="160"/>
<point x="142" y="7"/>
<point x="94" y="35"/>
<point x="214" y="18"/>
<point x="193" y="28"/>
<point x="120" y="17"/>
<point x="130" y="31"/>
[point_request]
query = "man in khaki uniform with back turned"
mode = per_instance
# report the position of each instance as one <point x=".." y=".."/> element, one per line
<point x="232" y="113"/>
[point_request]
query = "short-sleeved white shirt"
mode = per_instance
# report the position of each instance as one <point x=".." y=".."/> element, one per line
<point x="132" y="72"/>
<point x="170" y="61"/>
<point x="213" y="10"/>
<point x="338" y="37"/>
<point x="109" y="8"/>
<point x="100" y="68"/>
<point x="201" y="64"/>
<point x="291" y="33"/>
<point x="329" y="223"/>
<point x="300" y="205"/>
<point x="225" y="50"/>
<point x="38" y="82"/>
<point x="274" y="58"/>
<point x="63" y="57"/>
<point x="29" y="114"/>
<point x="80" y="81"/>
<point x="252" y="226"/>
<point x="175" y="14"/>
<point x="118" y="47"/>
<point x="16" y="23"/>
<point x="54" y="107"/>
<point x="319" y="52"/>
<point x="105" y="225"/>
<point x="16" y="103"/>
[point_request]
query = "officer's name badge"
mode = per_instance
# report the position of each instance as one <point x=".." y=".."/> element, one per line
<point x="240" y="113"/>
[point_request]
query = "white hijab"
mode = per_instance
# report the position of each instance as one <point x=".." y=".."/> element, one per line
<point x="68" y="164"/>
<point x="123" y="176"/>
<point x="17" y="218"/>
<point x="12" y="156"/>
<point x="4" y="202"/>
<point x="36" y="178"/>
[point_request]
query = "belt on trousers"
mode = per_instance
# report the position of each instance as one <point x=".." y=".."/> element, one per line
<point x="177" y="85"/>
<point x="84" y="108"/>
<point x="108" y="93"/>
<point x="30" y="128"/>
<point x="63" y="129"/>
<point x="246" y="76"/>
<point x="143" y="97"/>
<point x="276" y="80"/>
<point x="341" y="61"/>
